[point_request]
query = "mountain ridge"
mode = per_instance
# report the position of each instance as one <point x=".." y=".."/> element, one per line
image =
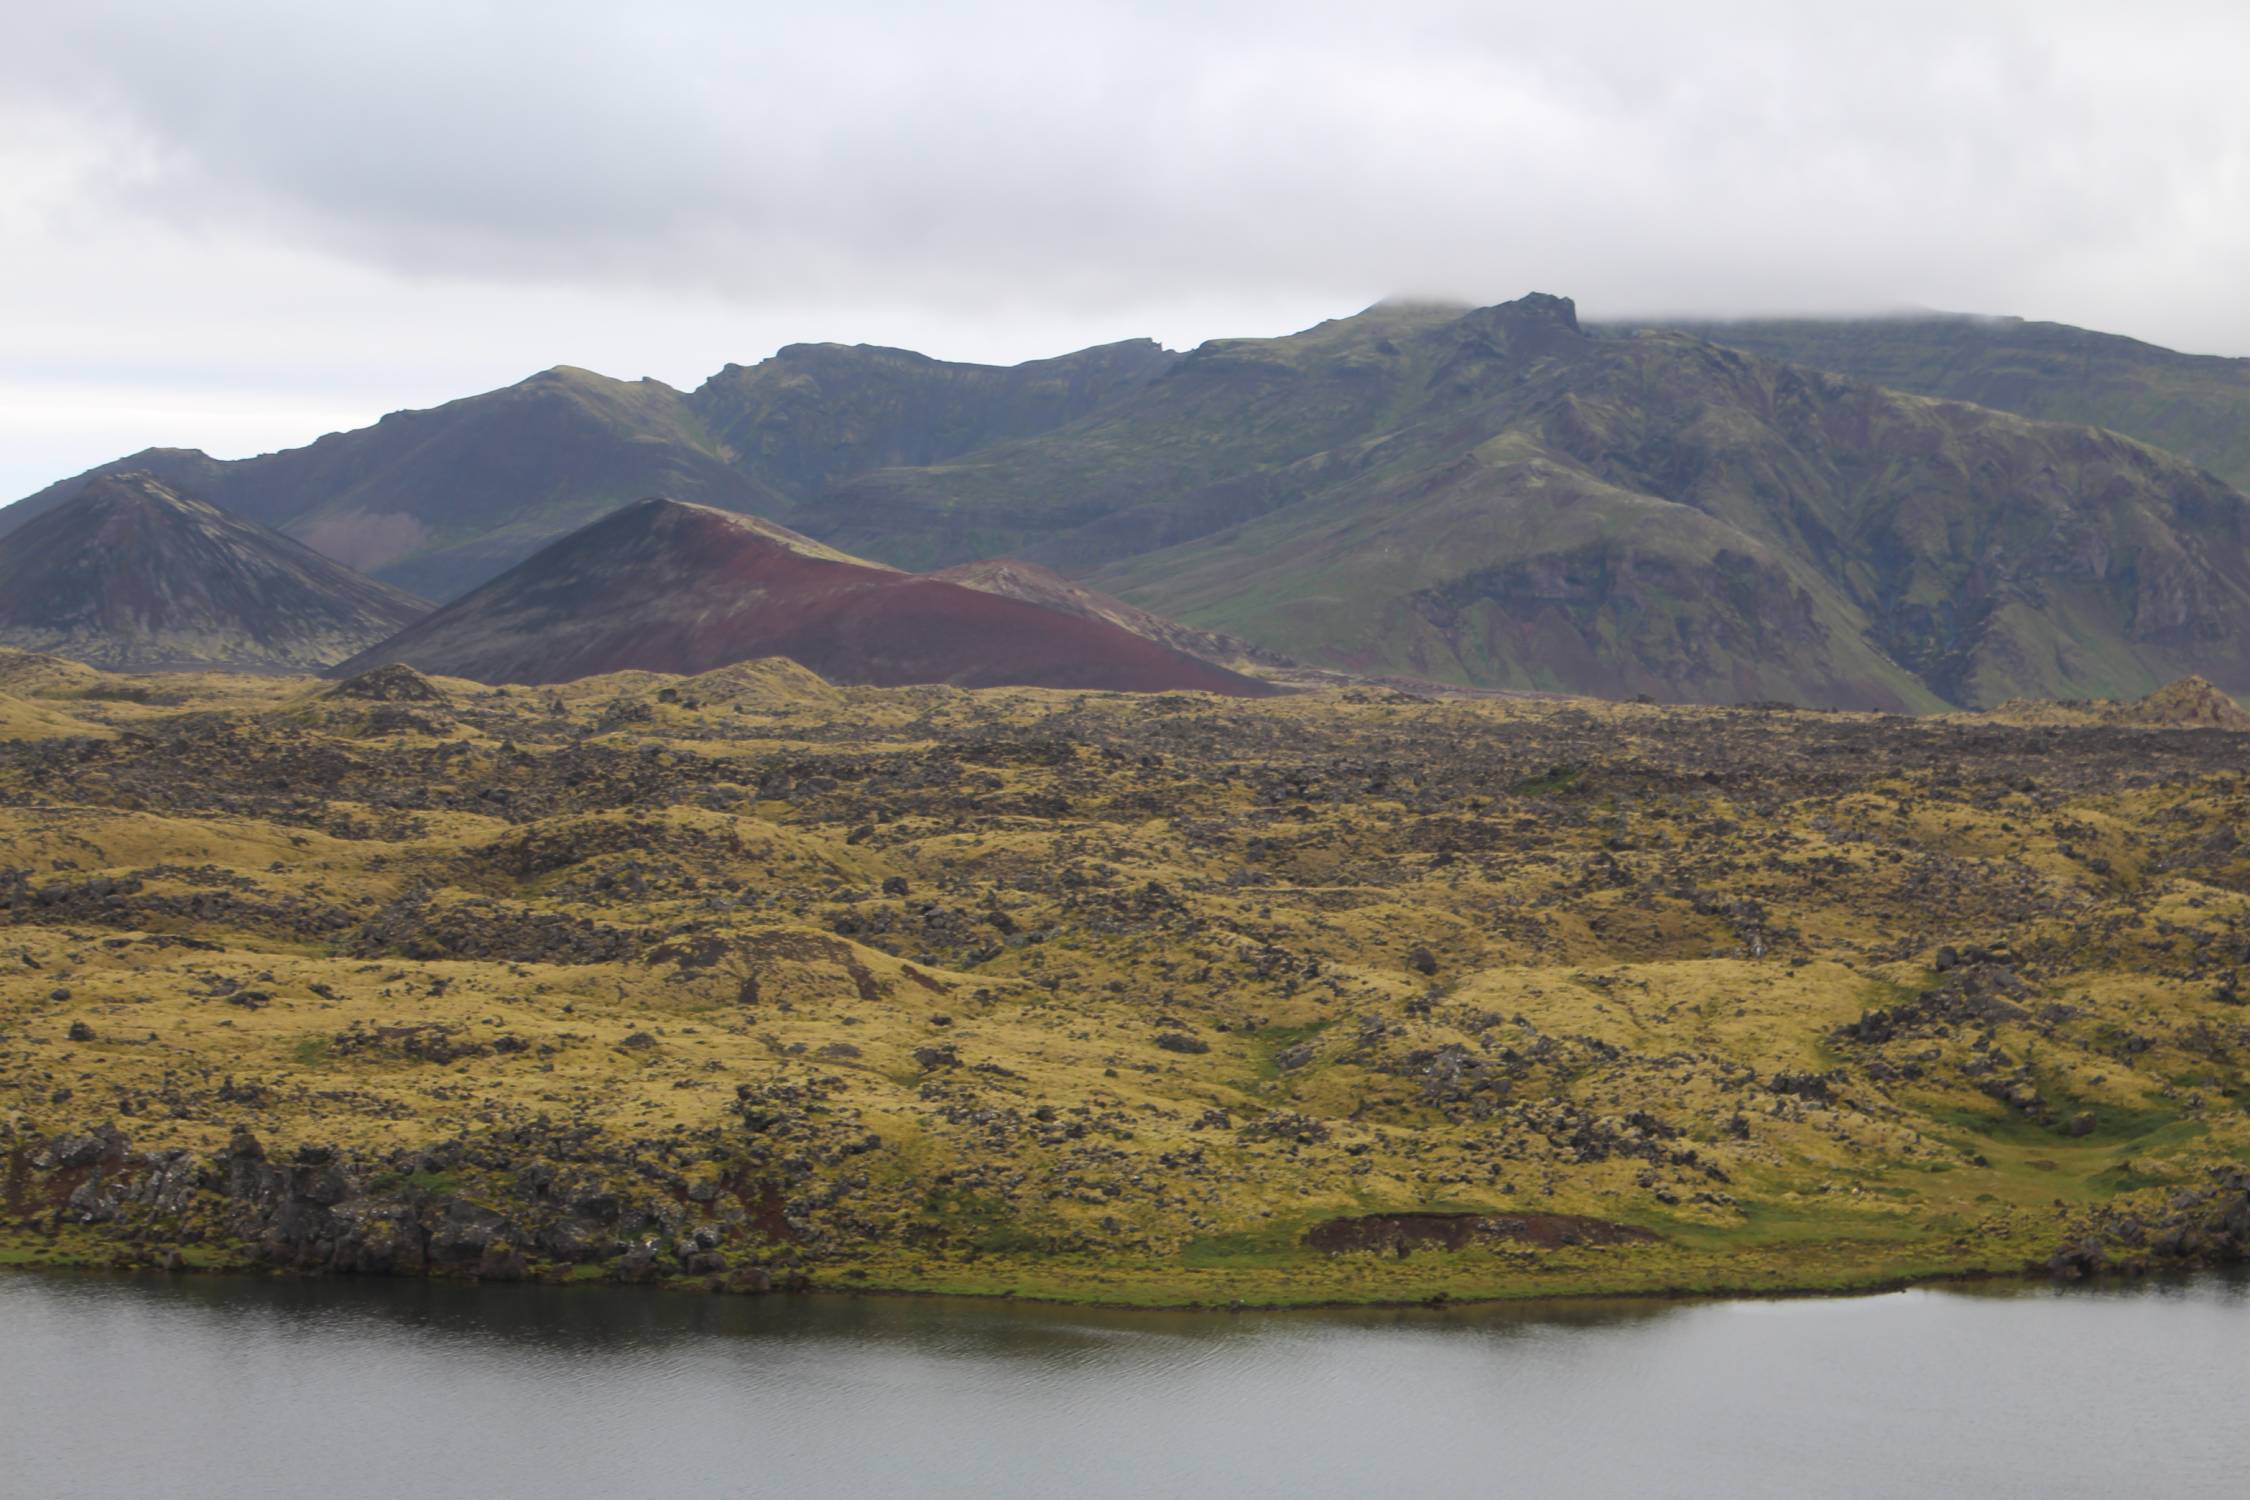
<point x="441" y="499"/>
<point x="1493" y="497"/>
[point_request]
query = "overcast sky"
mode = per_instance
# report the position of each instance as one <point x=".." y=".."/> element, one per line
<point x="237" y="225"/>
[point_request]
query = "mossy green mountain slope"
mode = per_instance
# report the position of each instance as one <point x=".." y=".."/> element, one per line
<point x="2195" y="405"/>
<point x="818" y="414"/>
<point x="1498" y="497"/>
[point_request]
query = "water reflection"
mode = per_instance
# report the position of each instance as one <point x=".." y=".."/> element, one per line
<point x="607" y="1319"/>
<point x="195" y="1386"/>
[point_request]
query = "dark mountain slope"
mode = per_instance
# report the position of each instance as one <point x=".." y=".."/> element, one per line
<point x="2195" y="405"/>
<point x="131" y="575"/>
<point x="188" y="470"/>
<point x="666" y="587"/>
<point x="441" y="500"/>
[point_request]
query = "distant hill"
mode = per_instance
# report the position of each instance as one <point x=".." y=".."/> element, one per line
<point x="661" y="586"/>
<point x="1488" y="497"/>
<point x="439" y="501"/>
<point x="2195" y="405"/>
<point x="132" y="575"/>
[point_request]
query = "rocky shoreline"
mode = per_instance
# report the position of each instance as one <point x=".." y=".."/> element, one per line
<point x="314" y="1210"/>
<point x="562" y="1218"/>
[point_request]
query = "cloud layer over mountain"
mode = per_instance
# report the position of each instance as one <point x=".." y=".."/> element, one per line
<point x="248" y="222"/>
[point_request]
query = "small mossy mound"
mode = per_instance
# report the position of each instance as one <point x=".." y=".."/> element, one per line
<point x="20" y="720"/>
<point x="767" y="680"/>
<point x="391" y="683"/>
<point x="32" y="674"/>
<point x="2190" y="703"/>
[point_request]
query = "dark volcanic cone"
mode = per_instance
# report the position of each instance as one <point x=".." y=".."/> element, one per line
<point x="132" y="575"/>
<point x="662" y="586"/>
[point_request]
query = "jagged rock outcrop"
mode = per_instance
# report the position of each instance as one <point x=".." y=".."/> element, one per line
<point x="544" y="1209"/>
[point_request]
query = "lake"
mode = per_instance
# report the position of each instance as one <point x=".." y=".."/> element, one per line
<point x="193" y="1387"/>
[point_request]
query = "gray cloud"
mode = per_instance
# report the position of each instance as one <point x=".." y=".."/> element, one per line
<point x="378" y="199"/>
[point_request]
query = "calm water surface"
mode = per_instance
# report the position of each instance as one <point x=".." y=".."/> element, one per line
<point x="197" y="1387"/>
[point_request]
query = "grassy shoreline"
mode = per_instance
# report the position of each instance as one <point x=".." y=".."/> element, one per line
<point x="1148" y="1288"/>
